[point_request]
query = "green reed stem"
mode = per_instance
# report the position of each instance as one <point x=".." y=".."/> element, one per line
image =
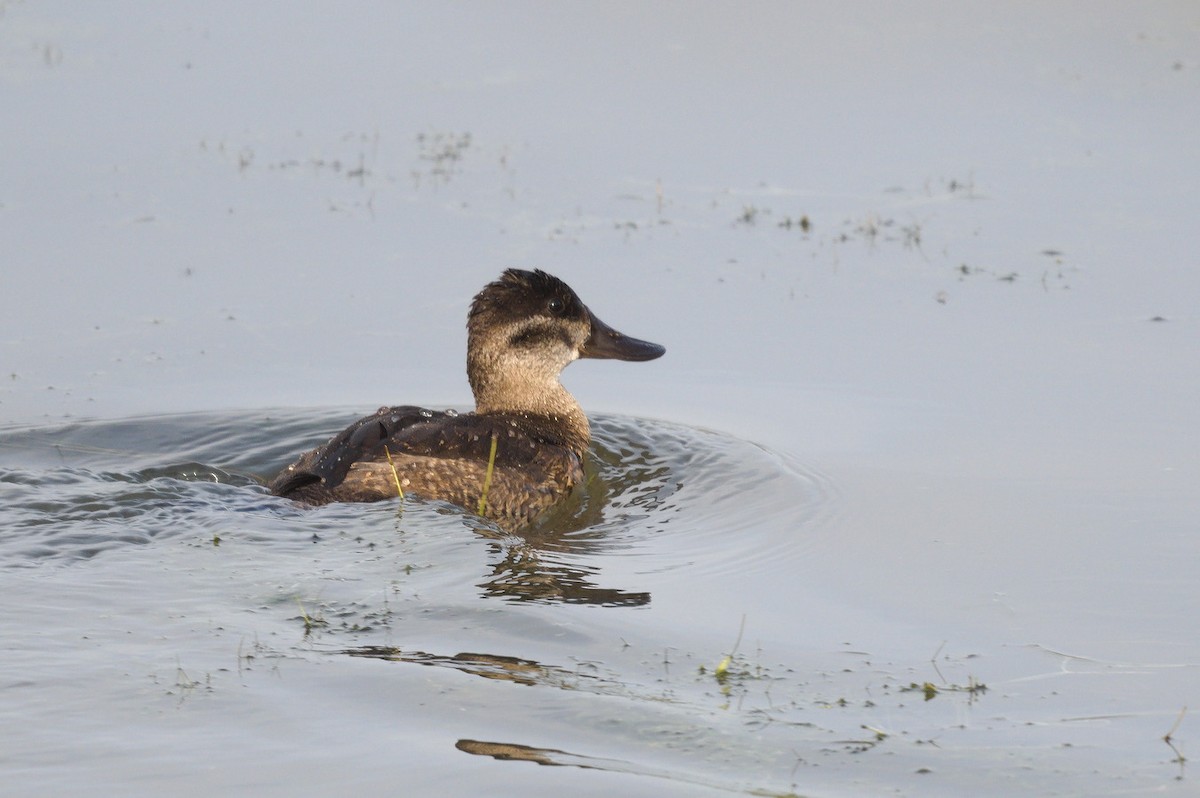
<point x="395" y="474"/>
<point x="487" y="477"/>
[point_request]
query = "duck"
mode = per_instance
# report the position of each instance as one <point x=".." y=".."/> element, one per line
<point x="522" y="450"/>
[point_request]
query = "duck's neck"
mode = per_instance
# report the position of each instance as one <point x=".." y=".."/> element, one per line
<point x="508" y="390"/>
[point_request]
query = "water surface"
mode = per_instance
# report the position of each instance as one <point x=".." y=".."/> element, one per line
<point x="926" y="279"/>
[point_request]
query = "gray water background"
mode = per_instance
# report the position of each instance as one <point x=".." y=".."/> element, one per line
<point x="930" y="271"/>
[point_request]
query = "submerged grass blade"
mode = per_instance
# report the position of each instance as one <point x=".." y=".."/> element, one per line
<point x="395" y="474"/>
<point x="487" y="477"/>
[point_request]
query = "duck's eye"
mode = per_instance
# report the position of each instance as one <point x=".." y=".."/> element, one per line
<point x="555" y="306"/>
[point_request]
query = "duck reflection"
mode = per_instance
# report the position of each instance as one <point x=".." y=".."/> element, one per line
<point x="544" y="562"/>
<point x="489" y="666"/>
<point x="526" y="574"/>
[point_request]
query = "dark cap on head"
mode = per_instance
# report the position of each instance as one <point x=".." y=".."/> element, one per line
<point x="524" y="294"/>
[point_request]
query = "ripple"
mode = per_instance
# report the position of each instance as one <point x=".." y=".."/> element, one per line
<point x="660" y="495"/>
<point x="718" y="502"/>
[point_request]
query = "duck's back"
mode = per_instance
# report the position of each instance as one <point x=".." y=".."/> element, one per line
<point x="440" y="455"/>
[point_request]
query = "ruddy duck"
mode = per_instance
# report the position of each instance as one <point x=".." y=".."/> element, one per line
<point x="526" y="438"/>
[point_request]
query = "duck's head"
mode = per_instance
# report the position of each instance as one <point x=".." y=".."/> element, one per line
<point x="523" y="330"/>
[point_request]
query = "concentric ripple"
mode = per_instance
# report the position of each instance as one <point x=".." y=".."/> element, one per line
<point x="676" y="495"/>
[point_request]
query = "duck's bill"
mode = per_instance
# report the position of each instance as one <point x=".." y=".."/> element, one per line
<point x="605" y="342"/>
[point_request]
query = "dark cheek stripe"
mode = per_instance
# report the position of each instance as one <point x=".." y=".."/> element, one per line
<point x="540" y="332"/>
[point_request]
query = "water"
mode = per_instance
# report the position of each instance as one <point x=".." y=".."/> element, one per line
<point x="926" y="279"/>
<point x="152" y="545"/>
<point x="177" y="616"/>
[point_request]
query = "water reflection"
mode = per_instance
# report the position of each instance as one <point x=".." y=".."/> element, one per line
<point x="77" y="490"/>
<point x="495" y="666"/>
<point x="548" y="561"/>
<point x="525" y="573"/>
<point x="489" y="666"/>
<point x="555" y="757"/>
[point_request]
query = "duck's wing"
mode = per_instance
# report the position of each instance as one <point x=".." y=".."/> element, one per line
<point x="362" y="440"/>
<point x="408" y="432"/>
<point x="453" y="460"/>
<point x="468" y="437"/>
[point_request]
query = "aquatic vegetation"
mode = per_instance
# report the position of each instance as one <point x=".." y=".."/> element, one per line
<point x="310" y="622"/>
<point x="487" y="477"/>
<point x="1169" y="739"/>
<point x="721" y="673"/>
<point x="395" y="474"/>
<point x="931" y="690"/>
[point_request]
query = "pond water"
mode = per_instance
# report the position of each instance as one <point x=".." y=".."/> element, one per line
<point x="910" y="506"/>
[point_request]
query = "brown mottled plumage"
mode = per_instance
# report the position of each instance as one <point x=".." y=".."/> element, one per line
<point x="523" y="329"/>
